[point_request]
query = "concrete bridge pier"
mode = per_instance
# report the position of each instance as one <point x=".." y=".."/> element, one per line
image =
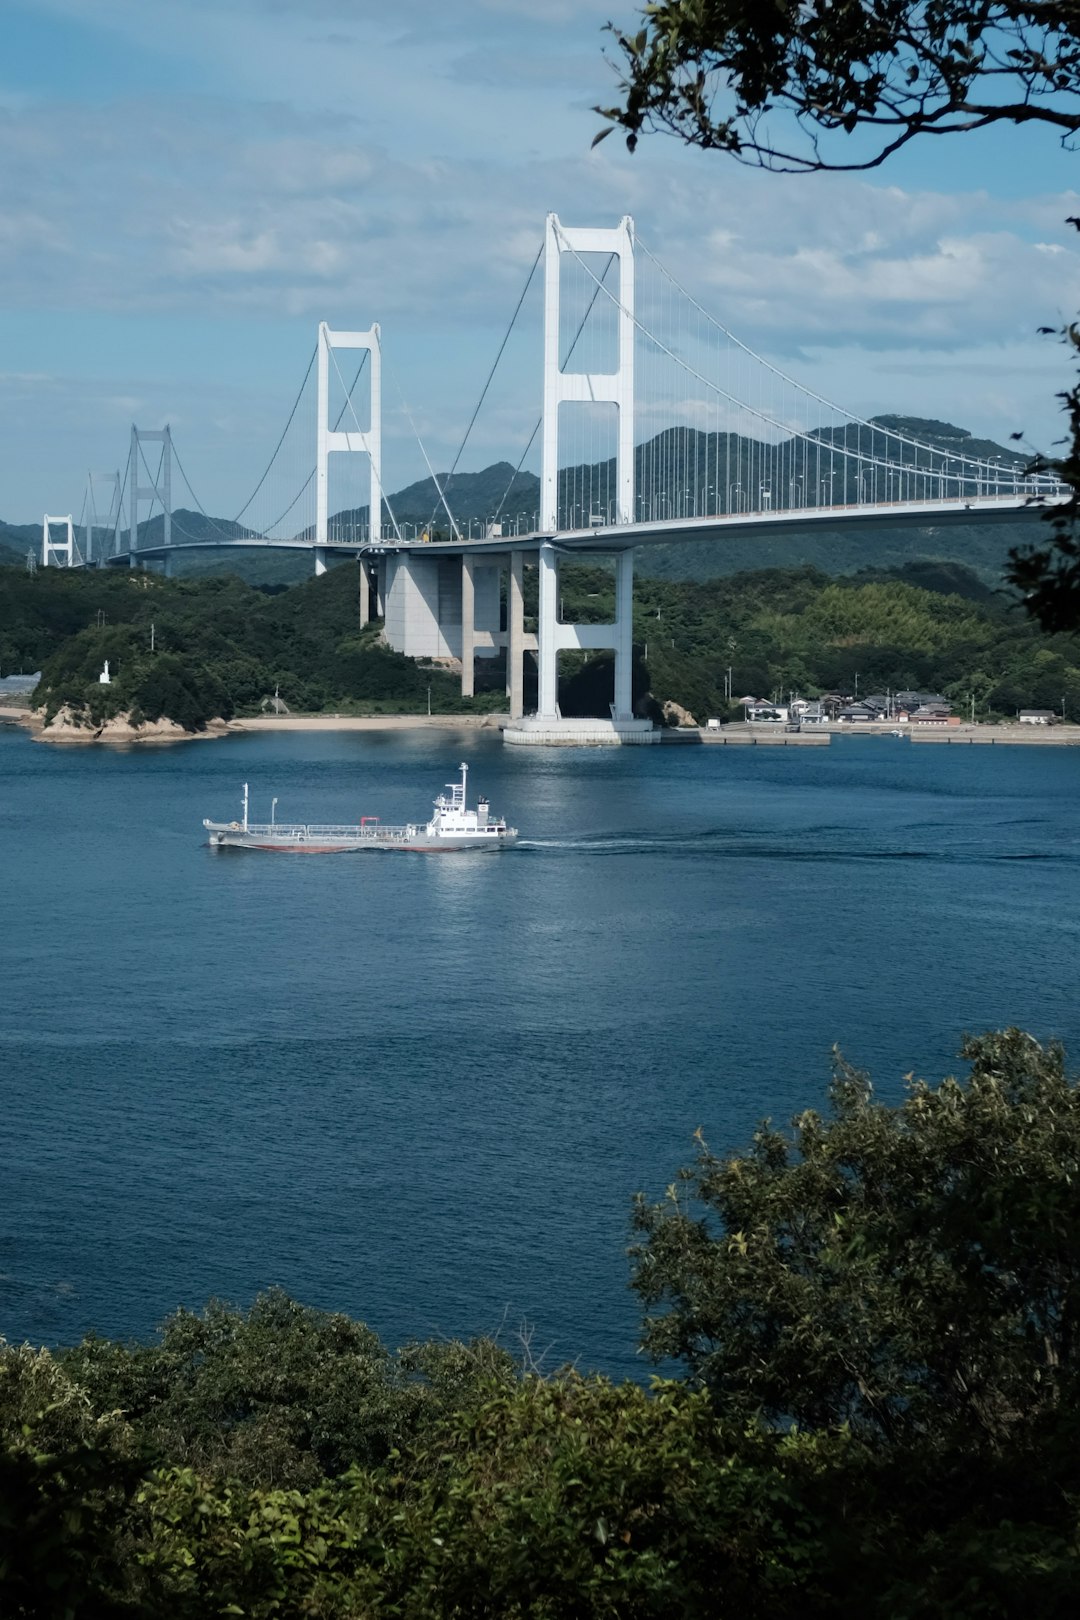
<point x="548" y="726"/>
<point x="468" y="627"/>
<point x="441" y="606"/>
<point x="515" y="628"/>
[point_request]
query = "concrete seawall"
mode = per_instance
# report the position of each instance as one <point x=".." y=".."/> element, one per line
<point x="1009" y="736"/>
<point x="740" y="736"/>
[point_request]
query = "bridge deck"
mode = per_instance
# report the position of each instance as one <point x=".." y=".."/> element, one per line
<point x="605" y="539"/>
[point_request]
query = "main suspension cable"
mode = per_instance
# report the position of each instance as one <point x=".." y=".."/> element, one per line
<point x="281" y="440"/>
<point x="490" y="376"/>
<point x="820" y="399"/>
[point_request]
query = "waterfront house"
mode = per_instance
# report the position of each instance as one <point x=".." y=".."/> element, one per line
<point x="857" y="714"/>
<point x="1037" y="717"/>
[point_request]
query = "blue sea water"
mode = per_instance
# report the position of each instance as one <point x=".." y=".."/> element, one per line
<point x="424" y="1089"/>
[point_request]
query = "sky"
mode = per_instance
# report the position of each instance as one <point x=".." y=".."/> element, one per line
<point x="187" y="187"/>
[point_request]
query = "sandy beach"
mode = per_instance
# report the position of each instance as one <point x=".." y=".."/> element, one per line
<point x="20" y="715"/>
<point x="369" y="722"/>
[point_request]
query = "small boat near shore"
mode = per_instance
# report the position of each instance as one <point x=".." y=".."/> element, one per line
<point x="452" y="826"/>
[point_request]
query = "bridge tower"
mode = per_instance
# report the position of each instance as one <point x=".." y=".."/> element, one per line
<point x="57" y="553"/>
<point x="96" y="519"/>
<point x="615" y="387"/>
<point x="148" y="492"/>
<point x="563" y="385"/>
<point x="365" y="441"/>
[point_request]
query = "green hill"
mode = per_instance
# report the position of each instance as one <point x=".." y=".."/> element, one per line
<point x="193" y="648"/>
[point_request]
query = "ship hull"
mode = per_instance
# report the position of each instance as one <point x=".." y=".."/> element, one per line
<point x="422" y="844"/>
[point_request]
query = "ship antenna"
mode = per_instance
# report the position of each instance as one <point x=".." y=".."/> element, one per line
<point x="464" y="774"/>
<point x="245" y="807"/>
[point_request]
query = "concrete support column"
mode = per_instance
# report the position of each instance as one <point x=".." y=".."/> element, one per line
<point x="320" y="560"/>
<point x="468" y="628"/>
<point x="547" y="641"/>
<point x="168" y="565"/>
<point x="624" y="635"/>
<point x="515" y="624"/>
<point x="365" y="594"/>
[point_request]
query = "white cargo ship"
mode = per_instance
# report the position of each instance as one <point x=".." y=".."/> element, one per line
<point x="452" y="826"/>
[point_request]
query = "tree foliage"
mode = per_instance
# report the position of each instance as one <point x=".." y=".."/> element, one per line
<point x="844" y="84"/>
<point x="194" y="649"/>
<point x="910" y="1272"/>
<point x="878" y="1314"/>
<point x="281" y="1395"/>
<point x="772" y="83"/>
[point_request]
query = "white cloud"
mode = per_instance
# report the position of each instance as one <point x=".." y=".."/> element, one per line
<point x="318" y="167"/>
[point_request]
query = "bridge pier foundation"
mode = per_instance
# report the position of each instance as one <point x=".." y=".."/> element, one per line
<point x="515" y="629"/>
<point x="468" y="627"/>
<point x="547" y="727"/>
<point x="319" y="553"/>
<point x="624" y="636"/>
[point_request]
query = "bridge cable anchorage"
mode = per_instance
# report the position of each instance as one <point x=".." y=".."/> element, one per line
<point x="566" y="361"/>
<point x="984" y="467"/>
<point x="487" y="384"/>
<point x="281" y="440"/>
<point x="813" y="439"/>
<point x="454" y="530"/>
<point x="359" y="429"/>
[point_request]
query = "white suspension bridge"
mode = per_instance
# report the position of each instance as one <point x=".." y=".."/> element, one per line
<point x="657" y="424"/>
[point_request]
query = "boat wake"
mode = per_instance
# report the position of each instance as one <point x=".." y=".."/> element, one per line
<point x="729" y="846"/>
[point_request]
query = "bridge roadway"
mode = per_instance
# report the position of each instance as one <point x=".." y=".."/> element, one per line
<point x="608" y="539"/>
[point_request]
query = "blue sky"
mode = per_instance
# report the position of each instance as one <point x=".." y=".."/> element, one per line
<point x="188" y="186"/>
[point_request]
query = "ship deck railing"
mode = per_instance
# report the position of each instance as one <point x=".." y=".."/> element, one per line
<point x="296" y="829"/>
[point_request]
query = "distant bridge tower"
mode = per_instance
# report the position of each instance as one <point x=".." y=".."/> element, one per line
<point x="158" y="490"/>
<point x="57" y="553"/>
<point x="355" y="438"/>
<point x="107" y="521"/>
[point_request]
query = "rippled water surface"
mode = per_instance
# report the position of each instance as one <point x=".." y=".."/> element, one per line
<point x="424" y="1089"/>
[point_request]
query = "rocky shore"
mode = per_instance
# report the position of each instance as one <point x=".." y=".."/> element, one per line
<point x="67" y="727"/>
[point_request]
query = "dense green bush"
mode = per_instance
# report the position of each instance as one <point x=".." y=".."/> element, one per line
<point x="877" y="1316"/>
